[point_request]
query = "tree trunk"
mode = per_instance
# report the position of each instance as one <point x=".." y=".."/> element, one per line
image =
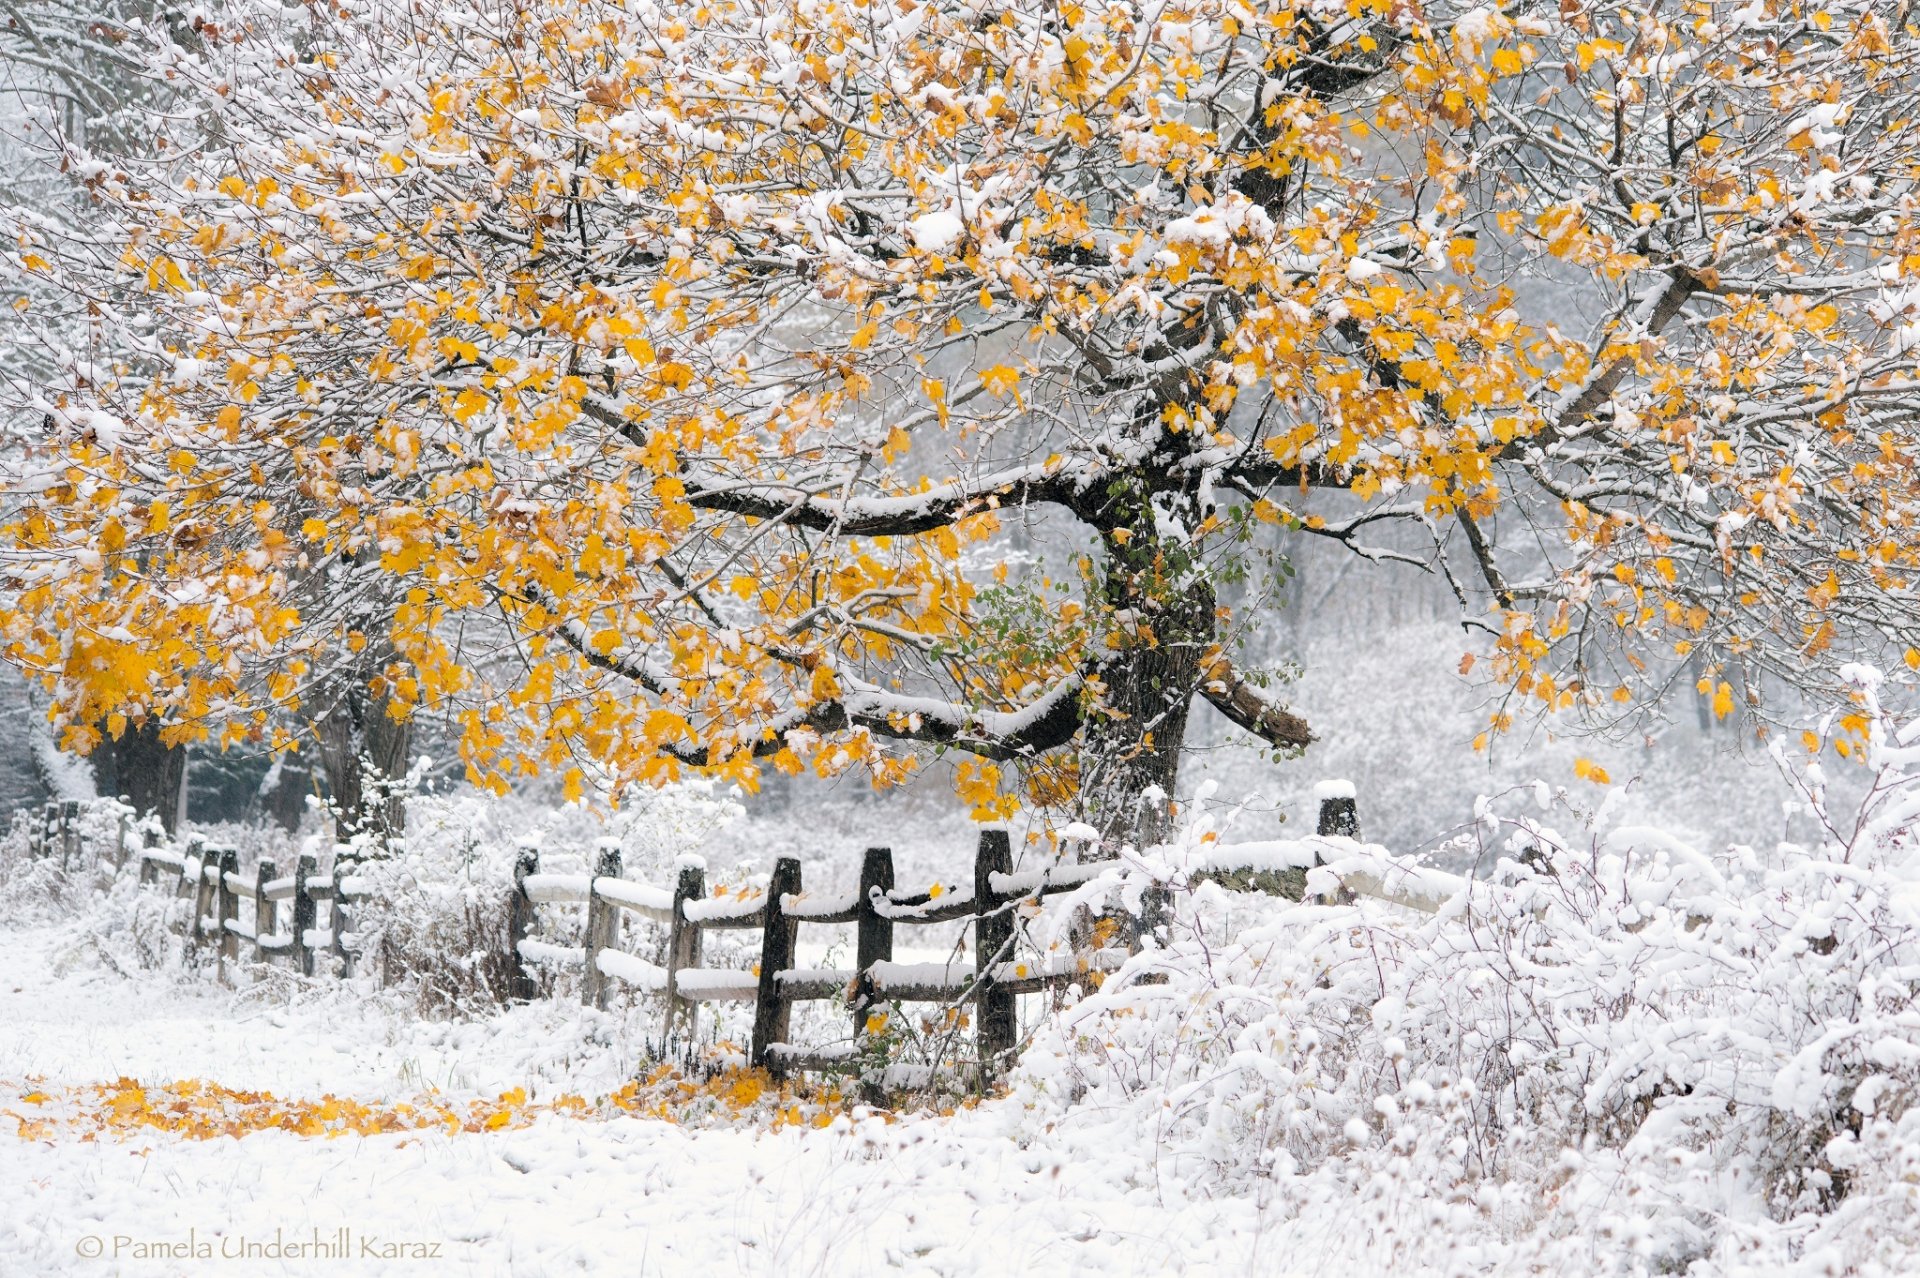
<point x="363" y="751"/>
<point x="151" y="774"/>
<point x="1162" y="627"/>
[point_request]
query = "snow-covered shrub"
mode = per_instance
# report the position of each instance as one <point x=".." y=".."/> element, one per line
<point x="30" y="887"/>
<point x="1610" y="1046"/>
<point x="436" y="917"/>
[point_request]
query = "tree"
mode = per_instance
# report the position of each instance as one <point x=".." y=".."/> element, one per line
<point x="651" y="385"/>
<point x="73" y="74"/>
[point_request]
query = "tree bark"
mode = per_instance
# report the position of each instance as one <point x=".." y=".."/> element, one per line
<point x="363" y="752"/>
<point x="1162" y="628"/>
<point x="151" y="774"/>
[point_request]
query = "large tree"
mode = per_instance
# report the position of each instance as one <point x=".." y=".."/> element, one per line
<point x="650" y="383"/>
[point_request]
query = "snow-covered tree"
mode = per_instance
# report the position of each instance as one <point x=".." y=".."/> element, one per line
<point x="653" y="383"/>
<point x="78" y="73"/>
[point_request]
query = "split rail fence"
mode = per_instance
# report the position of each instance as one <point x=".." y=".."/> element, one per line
<point x="304" y="915"/>
<point x="301" y="915"/>
<point x="875" y="909"/>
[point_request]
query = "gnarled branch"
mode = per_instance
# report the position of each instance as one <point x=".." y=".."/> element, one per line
<point x="1247" y="707"/>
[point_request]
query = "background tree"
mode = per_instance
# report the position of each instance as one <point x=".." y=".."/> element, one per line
<point x="661" y="381"/>
<point x="76" y="76"/>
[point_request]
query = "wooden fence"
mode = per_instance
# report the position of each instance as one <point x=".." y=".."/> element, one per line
<point x="282" y="917"/>
<point x="875" y="908"/>
<point x="304" y="915"/>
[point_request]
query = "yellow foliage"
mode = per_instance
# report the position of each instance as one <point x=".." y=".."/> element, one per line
<point x="626" y="361"/>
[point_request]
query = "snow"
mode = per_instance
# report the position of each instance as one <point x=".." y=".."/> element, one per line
<point x="946" y="900"/>
<point x="936" y="232"/>
<point x="556" y="888"/>
<point x="898" y="975"/>
<point x="545" y="952"/>
<point x="717" y="983"/>
<point x="809" y="905"/>
<point x="634" y="971"/>
<point x="1625" y="1055"/>
<point x="655" y="902"/>
<point x="716" y="908"/>
<point x="1477" y="24"/>
<point x="68" y="775"/>
<point x="562" y="1196"/>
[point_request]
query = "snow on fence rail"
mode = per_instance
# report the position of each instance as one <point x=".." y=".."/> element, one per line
<point x="286" y="921"/>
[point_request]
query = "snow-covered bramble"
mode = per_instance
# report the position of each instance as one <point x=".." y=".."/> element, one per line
<point x="1608" y="1052"/>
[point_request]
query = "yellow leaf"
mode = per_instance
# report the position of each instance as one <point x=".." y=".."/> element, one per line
<point x="1001" y="380"/>
<point x="1588" y="770"/>
<point x="825" y="685"/>
<point x="467" y="404"/>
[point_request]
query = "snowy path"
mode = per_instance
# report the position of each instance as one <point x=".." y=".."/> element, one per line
<point x="621" y="1195"/>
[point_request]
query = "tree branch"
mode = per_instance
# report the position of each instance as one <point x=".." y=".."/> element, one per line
<point x="937" y="507"/>
<point x="1246" y="706"/>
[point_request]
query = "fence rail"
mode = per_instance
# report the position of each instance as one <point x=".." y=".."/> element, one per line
<point x="305" y="915"/>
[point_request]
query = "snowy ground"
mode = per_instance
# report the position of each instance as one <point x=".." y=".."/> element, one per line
<point x="563" y="1195"/>
<point x="1624" y="1057"/>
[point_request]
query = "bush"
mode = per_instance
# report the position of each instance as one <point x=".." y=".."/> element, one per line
<point x="1613" y="1053"/>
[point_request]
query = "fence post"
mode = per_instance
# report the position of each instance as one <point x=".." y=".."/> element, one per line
<point x="1339" y="819"/>
<point x="337" y="917"/>
<point x="998" y="1025"/>
<point x="520" y="985"/>
<point x="1339" y="813"/>
<point x="772" y="1013"/>
<point x="70" y="851"/>
<point x="603" y="923"/>
<point x="202" y="886"/>
<point x="120" y="843"/>
<point x="229" y="863"/>
<point x="683" y="942"/>
<point x="49" y="826"/>
<point x="874" y="939"/>
<point x="263" y="911"/>
<point x="304" y="868"/>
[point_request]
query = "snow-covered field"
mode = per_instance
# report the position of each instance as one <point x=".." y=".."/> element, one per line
<point x="561" y="1195"/>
